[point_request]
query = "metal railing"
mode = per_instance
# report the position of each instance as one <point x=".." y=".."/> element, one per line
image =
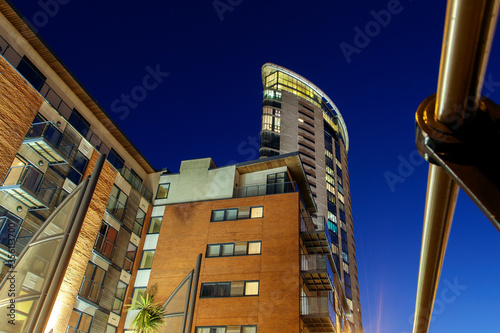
<point x="104" y="246"/>
<point x="32" y="181"/>
<point x="265" y="189"/>
<point x="317" y="262"/>
<point x="91" y="290"/>
<point x="51" y="135"/>
<point x="318" y="305"/>
<point x="64" y="110"/>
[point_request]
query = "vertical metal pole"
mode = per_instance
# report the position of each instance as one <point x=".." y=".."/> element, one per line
<point x="186" y="304"/>
<point x="442" y="194"/>
<point x="194" y="291"/>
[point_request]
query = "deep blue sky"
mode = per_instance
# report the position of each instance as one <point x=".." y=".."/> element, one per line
<point x="210" y="105"/>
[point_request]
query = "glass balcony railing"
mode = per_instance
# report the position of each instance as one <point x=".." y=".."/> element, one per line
<point x="265" y="189"/>
<point x="45" y="139"/>
<point x="91" y="290"/>
<point x="317" y="271"/>
<point x="136" y="183"/>
<point x="116" y="208"/>
<point x="318" y="307"/>
<point x="104" y="246"/>
<point x="315" y="224"/>
<point x="29" y="185"/>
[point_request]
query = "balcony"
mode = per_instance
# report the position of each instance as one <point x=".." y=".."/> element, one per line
<point x="91" y="290"/>
<point x="45" y="139"/>
<point x="29" y="186"/>
<point x="315" y="234"/>
<point x="318" y="314"/>
<point x="265" y="189"/>
<point x="316" y="270"/>
<point x="104" y="246"/>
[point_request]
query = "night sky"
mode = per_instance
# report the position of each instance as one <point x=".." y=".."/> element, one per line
<point x="206" y="101"/>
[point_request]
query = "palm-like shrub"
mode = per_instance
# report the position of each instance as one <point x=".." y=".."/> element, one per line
<point x="150" y="318"/>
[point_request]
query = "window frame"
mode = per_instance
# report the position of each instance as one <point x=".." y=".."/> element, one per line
<point x="234" y="249"/>
<point x="151" y="224"/>
<point x="225" y="210"/>
<point x="167" y="192"/>
<point x="142" y="258"/>
<point x="244" y="294"/>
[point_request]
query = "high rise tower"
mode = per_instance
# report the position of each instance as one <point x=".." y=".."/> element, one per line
<point x="298" y="116"/>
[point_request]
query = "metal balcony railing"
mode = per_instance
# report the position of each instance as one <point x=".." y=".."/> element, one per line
<point x="91" y="290"/>
<point x="136" y="183"/>
<point x="318" y="313"/>
<point x="46" y="140"/>
<point x="317" y="272"/>
<point x="265" y="189"/>
<point x="28" y="185"/>
<point x="104" y="246"/>
<point x="314" y="232"/>
<point x="64" y="110"/>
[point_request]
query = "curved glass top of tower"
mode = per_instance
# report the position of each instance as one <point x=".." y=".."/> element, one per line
<point x="280" y="78"/>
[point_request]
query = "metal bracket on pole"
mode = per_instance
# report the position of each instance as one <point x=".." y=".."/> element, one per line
<point x="468" y="153"/>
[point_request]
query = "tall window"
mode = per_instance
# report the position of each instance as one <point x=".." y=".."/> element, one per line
<point x="31" y="73"/>
<point x="117" y="203"/>
<point x="10" y="226"/>
<point x="78" y="167"/>
<point x="147" y="259"/>
<point x="91" y="288"/>
<point x="105" y="242"/>
<point x="139" y="221"/>
<point x="129" y="257"/>
<point x="79" y="322"/>
<point x="278" y="183"/>
<point x="79" y="123"/>
<point x="119" y="297"/>
<point x="271" y="120"/>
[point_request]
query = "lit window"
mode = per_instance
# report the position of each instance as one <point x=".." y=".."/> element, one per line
<point x="147" y="259"/>
<point x="257" y="212"/>
<point x="234" y="249"/>
<point x="163" y="191"/>
<point x="154" y="226"/>
<point x="252" y="288"/>
<point x="237" y="213"/>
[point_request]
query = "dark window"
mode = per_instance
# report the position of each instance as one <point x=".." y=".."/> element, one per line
<point x="139" y="221"/>
<point x="117" y="203"/>
<point x="91" y="287"/>
<point x="10" y="227"/>
<point x="31" y="73"/>
<point x="105" y="242"/>
<point x="79" y="322"/>
<point x="116" y="160"/>
<point x="228" y="289"/>
<point x="78" y="167"/>
<point x="129" y="257"/>
<point x="79" y="123"/>
<point x="337" y="151"/>
<point x="278" y="183"/>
